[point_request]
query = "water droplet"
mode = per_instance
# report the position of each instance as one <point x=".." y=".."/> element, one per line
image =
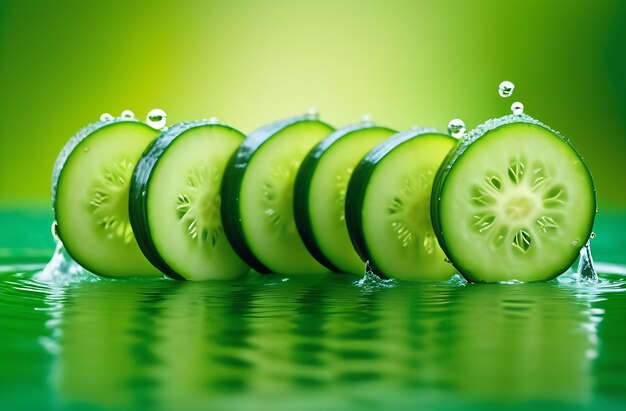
<point x="213" y="120"/>
<point x="313" y="113"/>
<point x="54" y="229"/>
<point x="366" y="118"/>
<point x="156" y="118"/>
<point x="574" y="243"/>
<point x="127" y="114"/>
<point x="517" y="108"/>
<point x="456" y="127"/>
<point x="586" y="269"/>
<point x="506" y="89"/>
<point x="106" y="117"/>
<point x="447" y="260"/>
<point x="86" y="149"/>
<point x="593" y="235"/>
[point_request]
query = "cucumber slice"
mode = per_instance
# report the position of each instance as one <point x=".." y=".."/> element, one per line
<point x="90" y="183"/>
<point x="513" y="202"/>
<point x="320" y="194"/>
<point x="257" y="196"/>
<point x="175" y="202"/>
<point x="388" y="206"/>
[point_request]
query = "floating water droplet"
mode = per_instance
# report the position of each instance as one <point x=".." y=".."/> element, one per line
<point x="366" y="118"/>
<point x="127" y="114"/>
<point x="506" y="89"/>
<point x="593" y="235"/>
<point x="54" y="229"/>
<point x="517" y="108"/>
<point x="313" y="113"/>
<point x="106" y="117"/>
<point x="156" y="118"/>
<point x="456" y="127"/>
<point x="214" y="120"/>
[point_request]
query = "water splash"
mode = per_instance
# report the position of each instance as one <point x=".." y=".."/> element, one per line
<point x="586" y="269"/>
<point x="63" y="270"/>
<point x="156" y="118"/>
<point x="506" y="89"/>
<point x="106" y="117"/>
<point x="127" y="114"/>
<point x="517" y="108"/>
<point x="456" y="127"/>
<point x="371" y="281"/>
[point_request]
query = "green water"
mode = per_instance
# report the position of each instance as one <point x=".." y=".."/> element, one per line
<point x="276" y="343"/>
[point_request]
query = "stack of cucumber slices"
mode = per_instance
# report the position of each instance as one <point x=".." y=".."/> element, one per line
<point x="509" y="201"/>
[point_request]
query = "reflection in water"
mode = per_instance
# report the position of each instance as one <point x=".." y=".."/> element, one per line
<point x="316" y="342"/>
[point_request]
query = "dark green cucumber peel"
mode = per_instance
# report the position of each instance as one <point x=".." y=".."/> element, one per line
<point x="303" y="181"/>
<point x="64" y="155"/>
<point x="356" y="190"/>
<point x="138" y="199"/>
<point x="447" y="169"/>
<point x="231" y="186"/>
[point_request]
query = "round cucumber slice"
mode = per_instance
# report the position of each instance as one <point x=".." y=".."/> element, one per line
<point x="320" y="194"/>
<point x="257" y="196"/>
<point x="175" y="202"/>
<point x="388" y="206"/>
<point x="513" y="202"/>
<point x="90" y="183"/>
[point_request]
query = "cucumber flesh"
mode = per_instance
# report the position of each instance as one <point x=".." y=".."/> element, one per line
<point x="90" y="186"/>
<point x="320" y="193"/>
<point x="257" y="196"/>
<point x="175" y="202"/>
<point x="513" y="202"/>
<point x="388" y="206"/>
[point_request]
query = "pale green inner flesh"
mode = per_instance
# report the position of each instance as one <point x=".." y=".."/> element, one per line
<point x="92" y="201"/>
<point x="327" y="196"/>
<point x="517" y="205"/>
<point x="184" y="204"/>
<point x="266" y="200"/>
<point x="396" y="211"/>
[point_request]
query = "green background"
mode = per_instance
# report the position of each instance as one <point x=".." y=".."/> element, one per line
<point x="250" y="62"/>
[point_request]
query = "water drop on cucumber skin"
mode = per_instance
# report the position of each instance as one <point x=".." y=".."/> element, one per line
<point x="313" y="113"/>
<point x="456" y="127"/>
<point x="517" y="108"/>
<point x="106" y="117"/>
<point x="156" y="119"/>
<point x="127" y="114"/>
<point x="366" y="118"/>
<point x="506" y="89"/>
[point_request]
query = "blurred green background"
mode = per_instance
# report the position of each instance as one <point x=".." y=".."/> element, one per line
<point x="63" y="63"/>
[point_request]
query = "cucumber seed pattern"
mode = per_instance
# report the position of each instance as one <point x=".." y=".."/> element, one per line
<point x="109" y="201"/>
<point x="341" y="183"/>
<point x="409" y="213"/>
<point x="519" y="207"/>
<point x="277" y="200"/>
<point x="198" y="209"/>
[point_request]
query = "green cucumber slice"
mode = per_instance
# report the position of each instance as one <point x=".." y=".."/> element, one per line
<point x="175" y="202"/>
<point x="513" y="202"/>
<point x="90" y="183"/>
<point x="388" y="206"/>
<point x="320" y="194"/>
<point x="257" y="196"/>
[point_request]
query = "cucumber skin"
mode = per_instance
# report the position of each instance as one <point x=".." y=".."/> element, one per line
<point x="356" y="190"/>
<point x="301" y="189"/>
<point x="448" y="165"/>
<point x="65" y="154"/>
<point x="138" y="198"/>
<point x="231" y="187"/>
